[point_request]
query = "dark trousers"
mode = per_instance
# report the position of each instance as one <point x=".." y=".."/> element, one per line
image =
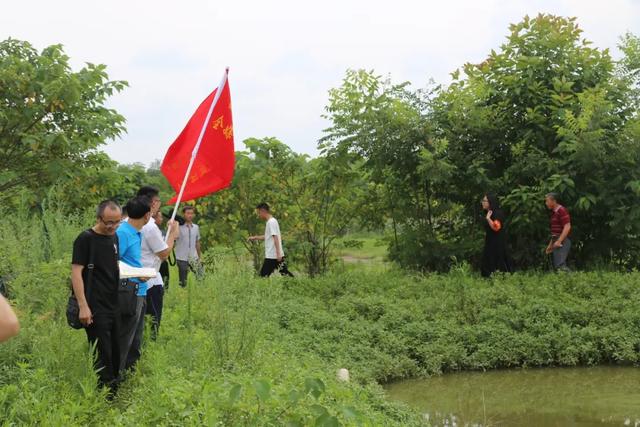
<point x="183" y="272"/>
<point x="132" y="328"/>
<point x="155" y="298"/>
<point x="104" y="333"/>
<point x="270" y="265"/>
<point x="164" y="272"/>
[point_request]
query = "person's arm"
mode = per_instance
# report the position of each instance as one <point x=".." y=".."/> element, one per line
<point x="254" y="238"/>
<point x="9" y="325"/>
<point x="276" y="241"/>
<point x="198" y="250"/>
<point x="565" y="232"/>
<point x="495" y="225"/>
<point x="86" y="317"/>
<point x="173" y="230"/>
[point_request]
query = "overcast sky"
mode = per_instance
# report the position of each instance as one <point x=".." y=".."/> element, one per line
<point x="284" y="55"/>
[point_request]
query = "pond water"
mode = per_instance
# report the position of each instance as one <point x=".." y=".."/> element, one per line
<point x="577" y="397"/>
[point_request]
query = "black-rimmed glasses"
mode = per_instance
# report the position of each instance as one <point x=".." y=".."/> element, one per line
<point x="109" y="223"/>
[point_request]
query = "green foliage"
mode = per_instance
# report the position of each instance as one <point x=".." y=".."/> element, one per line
<point x="545" y="112"/>
<point x="238" y="350"/>
<point x="548" y="112"/>
<point x="385" y="127"/>
<point x="389" y="326"/>
<point x="29" y="240"/>
<point x="415" y="251"/>
<point x="218" y="360"/>
<point x="52" y="120"/>
<point x="314" y="200"/>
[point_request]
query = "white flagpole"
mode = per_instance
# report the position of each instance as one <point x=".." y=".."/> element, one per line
<point x="194" y="153"/>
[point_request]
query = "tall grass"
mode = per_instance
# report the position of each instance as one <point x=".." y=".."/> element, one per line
<point x="28" y="238"/>
<point x="217" y="360"/>
<point x="238" y="350"/>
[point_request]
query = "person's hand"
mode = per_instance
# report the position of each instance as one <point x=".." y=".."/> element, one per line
<point x="251" y="238"/>
<point x="549" y="249"/>
<point x="173" y="226"/>
<point x="143" y="279"/>
<point x="557" y="244"/>
<point x="280" y="258"/>
<point x="85" y="316"/>
<point x="489" y="213"/>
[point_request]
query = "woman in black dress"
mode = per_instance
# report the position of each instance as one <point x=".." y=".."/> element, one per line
<point x="494" y="256"/>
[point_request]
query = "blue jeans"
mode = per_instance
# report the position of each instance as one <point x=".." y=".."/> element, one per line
<point x="560" y="255"/>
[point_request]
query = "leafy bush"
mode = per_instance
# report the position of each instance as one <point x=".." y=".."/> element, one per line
<point x="237" y="350"/>
<point x="385" y="326"/>
<point x="218" y="360"/>
<point x="419" y="250"/>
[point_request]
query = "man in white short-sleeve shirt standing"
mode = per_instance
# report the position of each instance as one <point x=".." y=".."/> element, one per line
<point x="273" y="249"/>
<point x="188" y="245"/>
<point x="154" y="251"/>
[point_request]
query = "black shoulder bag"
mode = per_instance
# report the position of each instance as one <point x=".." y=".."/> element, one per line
<point x="127" y="298"/>
<point x="73" y="308"/>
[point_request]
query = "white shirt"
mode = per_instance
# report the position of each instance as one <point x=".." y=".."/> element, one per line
<point x="272" y="232"/>
<point x="152" y="243"/>
<point x="186" y="243"/>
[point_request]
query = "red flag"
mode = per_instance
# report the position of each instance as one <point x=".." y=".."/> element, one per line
<point x="213" y="166"/>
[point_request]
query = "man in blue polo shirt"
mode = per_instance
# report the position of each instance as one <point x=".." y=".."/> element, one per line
<point x="130" y="245"/>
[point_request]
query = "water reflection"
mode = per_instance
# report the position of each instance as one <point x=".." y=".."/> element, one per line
<point x="580" y="397"/>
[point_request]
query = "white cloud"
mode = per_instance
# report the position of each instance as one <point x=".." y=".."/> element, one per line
<point x="284" y="55"/>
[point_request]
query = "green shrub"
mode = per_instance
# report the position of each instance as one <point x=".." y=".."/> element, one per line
<point x="239" y="350"/>
<point x="386" y="326"/>
<point x="218" y="360"/>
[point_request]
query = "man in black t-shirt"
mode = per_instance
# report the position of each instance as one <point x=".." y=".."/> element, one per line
<point x="98" y="300"/>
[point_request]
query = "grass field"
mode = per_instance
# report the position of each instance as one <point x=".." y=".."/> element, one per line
<point x="362" y="248"/>
<point x="219" y="359"/>
<point x="238" y="350"/>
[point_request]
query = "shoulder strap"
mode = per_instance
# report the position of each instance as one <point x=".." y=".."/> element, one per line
<point x="91" y="266"/>
<point x="116" y="242"/>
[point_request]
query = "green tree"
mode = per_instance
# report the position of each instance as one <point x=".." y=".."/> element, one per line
<point x="386" y="127"/>
<point x="325" y="200"/>
<point x="314" y="200"/>
<point x="549" y="112"/>
<point x="228" y="217"/>
<point x="52" y="120"/>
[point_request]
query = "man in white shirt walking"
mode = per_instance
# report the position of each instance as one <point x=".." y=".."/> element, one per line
<point x="188" y="245"/>
<point x="154" y="251"/>
<point x="274" y="252"/>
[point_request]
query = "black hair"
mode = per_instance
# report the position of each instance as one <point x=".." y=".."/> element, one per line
<point x="188" y="208"/>
<point x="138" y="207"/>
<point x="494" y="202"/>
<point x="107" y="204"/>
<point x="264" y="206"/>
<point x="148" y="191"/>
<point x="494" y="206"/>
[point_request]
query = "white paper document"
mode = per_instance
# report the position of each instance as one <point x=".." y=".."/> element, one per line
<point x="128" y="272"/>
